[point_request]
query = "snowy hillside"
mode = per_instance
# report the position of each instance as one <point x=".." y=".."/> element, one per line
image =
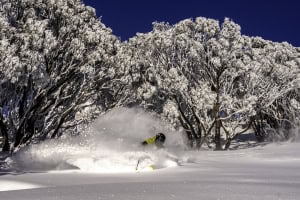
<point x="70" y="169"/>
<point x="266" y="173"/>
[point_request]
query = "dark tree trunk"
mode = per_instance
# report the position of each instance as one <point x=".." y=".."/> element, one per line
<point x="258" y="126"/>
<point x="217" y="114"/>
<point x="6" y="146"/>
<point x="186" y="124"/>
<point x="218" y="123"/>
<point x="218" y="135"/>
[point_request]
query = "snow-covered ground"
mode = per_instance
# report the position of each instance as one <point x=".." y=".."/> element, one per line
<point x="102" y="165"/>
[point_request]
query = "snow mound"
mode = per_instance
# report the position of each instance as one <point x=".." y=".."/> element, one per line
<point x="111" y="144"/>
<point x="8" y="185"/>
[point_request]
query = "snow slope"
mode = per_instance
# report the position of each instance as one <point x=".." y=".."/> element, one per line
<point x="105" y="169"/>
<point x="268" y="172"/>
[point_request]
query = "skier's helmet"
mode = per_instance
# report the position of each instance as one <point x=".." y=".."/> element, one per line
<point x="160" y="139"/>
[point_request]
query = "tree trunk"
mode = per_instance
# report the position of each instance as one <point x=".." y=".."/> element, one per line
<point x="6" y="146"/>
<point x="217" y="125"/>
<point x="217" y="114"/>
<point x="218" y="134"/>
<point x="18" y="138"/>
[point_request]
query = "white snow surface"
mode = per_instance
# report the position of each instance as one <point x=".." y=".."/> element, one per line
<point x="101" y="165"/>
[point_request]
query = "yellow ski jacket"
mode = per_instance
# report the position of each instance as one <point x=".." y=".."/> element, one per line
<point x="150" y="140"/>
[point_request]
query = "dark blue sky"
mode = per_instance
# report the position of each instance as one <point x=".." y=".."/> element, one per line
<point x="275" y="20"/>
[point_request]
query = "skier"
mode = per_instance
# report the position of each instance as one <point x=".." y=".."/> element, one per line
<point x="158" y="140"/>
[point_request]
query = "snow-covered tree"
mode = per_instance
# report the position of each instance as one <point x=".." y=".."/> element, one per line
<point x="155" y="62"/>
<point x="180" y="67"/>
<point x="276" y="71"/>
<point x="203" y="76"/>
<point x="57" y="68"/>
